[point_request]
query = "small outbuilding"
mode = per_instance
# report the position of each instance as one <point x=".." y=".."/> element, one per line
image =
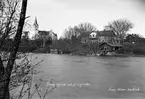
<point x="105" y="47"/>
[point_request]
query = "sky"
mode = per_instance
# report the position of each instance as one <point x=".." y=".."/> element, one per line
<point x="57" y="15"/>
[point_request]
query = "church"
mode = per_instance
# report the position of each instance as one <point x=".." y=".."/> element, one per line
<point x="35" y="32"/>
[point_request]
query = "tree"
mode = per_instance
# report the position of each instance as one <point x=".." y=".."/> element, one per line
<point x="85" y="27"/>
<point x="72" y="33"/>
<point x="6" y="71"/>
<point x="44" y="37"/>
<point x="79" y="29"/>
<point x="22" y="77"/>
<point x="9" y="19"/>
<point x="93" y="47"/>
<point x="120" y="26"/>
<point x="69" y="32"/>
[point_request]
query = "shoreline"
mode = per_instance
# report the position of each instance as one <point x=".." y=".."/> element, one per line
<point x="115" y="55"/>
<point x="84" y="54"/>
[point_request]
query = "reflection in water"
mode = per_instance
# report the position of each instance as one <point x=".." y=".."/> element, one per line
<point x="102" y="73"/>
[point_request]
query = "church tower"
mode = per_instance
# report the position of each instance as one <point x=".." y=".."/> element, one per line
<point x="35" y="29"/>
<point x="36" y="26"/>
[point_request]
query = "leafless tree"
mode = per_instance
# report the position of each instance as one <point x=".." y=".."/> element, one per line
<point x="9" y="17"/>
<point x="79" y="29"/>
<point x="120" y="26"/>
<point x="5" y="72"/>
<point x="85" y="27"/>
<point x="69" y="32"/>
<point x="93" y="47"/>
<point x="24" y="83"/>
<point x="72" y="33"/>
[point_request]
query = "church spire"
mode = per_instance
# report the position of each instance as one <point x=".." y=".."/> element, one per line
<point x="36" y="26"/>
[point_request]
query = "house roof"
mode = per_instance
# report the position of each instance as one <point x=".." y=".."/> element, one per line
<point x="115" y="45"/>
<point x="46" y="32"/>
<point x="108" y="33"/>
<point x="43" y="32"/>
<point x="112" y="45"/>
<point x="133" y="36"/>
<point x="86" y="34"/>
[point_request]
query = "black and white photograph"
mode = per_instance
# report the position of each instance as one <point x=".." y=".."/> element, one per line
<point x="72" y="49"/>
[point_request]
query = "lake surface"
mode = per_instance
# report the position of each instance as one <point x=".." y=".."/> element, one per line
<point x="82" y="77"/>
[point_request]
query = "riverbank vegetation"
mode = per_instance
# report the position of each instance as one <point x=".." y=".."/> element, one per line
<point x="134" y="48"/>
<point x="71" y="42"/>
<point x="137" y="49"/>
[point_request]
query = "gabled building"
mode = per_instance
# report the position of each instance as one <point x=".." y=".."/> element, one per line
<point x="53" y="35"/>
<point x="87" y="37"/>
<point x="36" y="32"/>
<point x="46" y="34"/>
<point x="47" y="37"/>
<point x="106" y="40"/>
<point x="134" y="38"/>
<point x="108" y="36"/>
<point x="105" y="47"/>
<point x="94" y="36"/>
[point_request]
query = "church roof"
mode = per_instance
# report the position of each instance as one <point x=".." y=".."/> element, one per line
<point x="43" y="32"/>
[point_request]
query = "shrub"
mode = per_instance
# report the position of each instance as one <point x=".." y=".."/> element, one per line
<point x="132" y="48"/>
<point x="42" y="50"/>
<point x="139" y="50"/>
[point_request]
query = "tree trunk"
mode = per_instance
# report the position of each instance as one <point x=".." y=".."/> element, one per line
<point x="4" y="85"/>
<point x="43" y="45"/>
<point x="1" y="78"/>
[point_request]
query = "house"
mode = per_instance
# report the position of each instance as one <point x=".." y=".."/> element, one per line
<point x="100" y="36"/>
<point x="106" y="39"/>
<point x="134" y="38"/>
<point x="107" y="36"/>
<point x="94" y="36"/>
<point x="104" y="48"/>
<point x="53" y="35"/>
<point x="108" y="42"/>
<point x="46" y="35"/>
<point x="42" y="34"/>
<point x="87" y="37"/>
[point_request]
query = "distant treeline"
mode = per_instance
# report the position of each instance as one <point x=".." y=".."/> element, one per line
<point x="27" y="45"/>
<point x="73" y="45"/>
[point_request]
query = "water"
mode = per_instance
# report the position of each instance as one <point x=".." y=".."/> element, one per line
<point x="95" y="77"/>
